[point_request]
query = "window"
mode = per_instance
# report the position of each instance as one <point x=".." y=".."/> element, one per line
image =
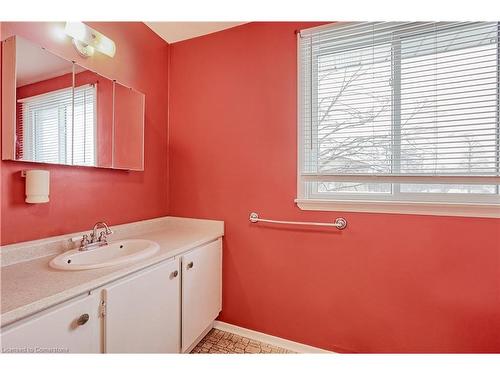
<point x="47" y="131"/>
<point x="400" y="112"/>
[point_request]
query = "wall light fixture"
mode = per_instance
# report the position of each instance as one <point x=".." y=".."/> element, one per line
<point x="87" y="40"/>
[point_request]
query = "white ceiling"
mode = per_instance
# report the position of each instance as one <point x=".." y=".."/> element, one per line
<point x="176" y="31"/>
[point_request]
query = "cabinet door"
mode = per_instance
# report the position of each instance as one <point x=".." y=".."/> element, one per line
<point x="71" y="327"/>
<point x="143" y="311"/>
<point x="201" y="290"/>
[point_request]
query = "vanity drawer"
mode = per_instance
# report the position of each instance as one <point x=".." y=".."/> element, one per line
<point x="71" y="327"/>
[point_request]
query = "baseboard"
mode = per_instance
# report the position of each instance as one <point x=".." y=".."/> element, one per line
<point x="268" y="339"/>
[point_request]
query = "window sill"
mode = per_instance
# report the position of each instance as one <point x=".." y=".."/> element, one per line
<point x="402" y="207"/>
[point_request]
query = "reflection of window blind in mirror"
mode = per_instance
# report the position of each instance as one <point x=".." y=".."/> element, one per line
<point x="46" y="122"/>
<point x="84" y="129"/>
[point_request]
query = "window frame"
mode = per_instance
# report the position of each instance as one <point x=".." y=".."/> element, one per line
<point x="30" y="134"/>
<point x="451" y="204"/>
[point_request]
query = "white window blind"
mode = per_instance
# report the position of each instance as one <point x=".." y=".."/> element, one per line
<point x="400" y="111"/>
<point x="52" y="133"/>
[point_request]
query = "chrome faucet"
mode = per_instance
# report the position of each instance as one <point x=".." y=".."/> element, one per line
<point x="95" y="240"/>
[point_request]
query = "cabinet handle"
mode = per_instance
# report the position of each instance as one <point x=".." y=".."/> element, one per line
<point x="174" y="274"/>
<point x="190" y="265"/>
<point x="83" y="319"/>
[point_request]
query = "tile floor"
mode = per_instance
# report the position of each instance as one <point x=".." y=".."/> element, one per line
<point x="221" y="342"/>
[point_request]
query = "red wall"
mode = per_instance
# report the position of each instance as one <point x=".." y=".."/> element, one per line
<point x="389" y="283"/>
<point x="80" y="196"/>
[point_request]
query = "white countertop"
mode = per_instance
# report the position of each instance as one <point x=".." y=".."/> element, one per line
<point x="30" y="286"/>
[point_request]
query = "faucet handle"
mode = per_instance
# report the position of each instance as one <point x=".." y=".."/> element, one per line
<point x="85" y="240"/>
<point x="102" y="236"/>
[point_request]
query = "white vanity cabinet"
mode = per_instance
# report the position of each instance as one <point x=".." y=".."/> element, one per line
<point x="71" y="327"/>
<point x="164" y="308"/>
<point x="142" y="312"/>
<point x="201" y="291"/>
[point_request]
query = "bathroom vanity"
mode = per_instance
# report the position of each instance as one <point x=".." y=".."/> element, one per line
<point x="161" y="304"/>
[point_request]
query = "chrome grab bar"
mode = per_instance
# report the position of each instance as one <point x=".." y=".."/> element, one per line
<point x="339" y="223"/>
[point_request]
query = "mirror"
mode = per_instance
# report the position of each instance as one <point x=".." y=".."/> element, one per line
<point x="55" y="111"/>
<point x="43" y="103"/>
<point x="93" y="103"/>
<point x="128" y="128"/>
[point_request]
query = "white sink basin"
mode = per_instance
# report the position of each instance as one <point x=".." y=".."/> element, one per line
<point x="113" y="254"/>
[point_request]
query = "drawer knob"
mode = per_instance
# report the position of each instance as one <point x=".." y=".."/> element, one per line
<point x="190" y="265"/>
<point x="174" y="274"/>
<point x="83" y="319"/>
